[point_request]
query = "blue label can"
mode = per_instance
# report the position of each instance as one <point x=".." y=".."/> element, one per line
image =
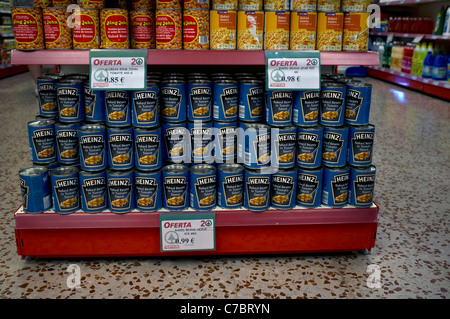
<point x="41" y="135"/>
<point x="93" y="191"/>
<point x="230" y="185"/>
<point x="173" y="100"/>
<point x="335" y="186"/>
<point x="69" y="94"/>
<point x="306" y="108"/>
<point x="35" y="189"/>
<point x="147" y="148"/>
<point x="93" y="147"/>
<point x="47" y="101"/>
<point x="226" y="141"/>
<point x="254" y="145"/>
<point x="65" y="189"/>
<point x="309" y="186"/>
<point x="176" y="142"/>
<point x="201" y="141"/>
<point x="203" y="187"/>
<point x="257" y="189"/>
<point x="175" y="187"/>
<point x="94" y="104"/>
<point x="332" y="104"/>
<point x="251" y="100"/>
<point x="148" y="190"/>
<point x="117" y="108"/>
<point x="284" y="146"/>
<point x="357" y="103"/>
<point x="309" y="146"/>
<point x="362" y="185"/>
<point x="145" y="112"/>
<point x="225" y="100"/>
<point x="284" y="188"/>
<point x="120" y="147"/>
<point x="335" y="141"/>
<point x="199" y="99"/>
<point x="279" y="105"/>
<point x="360" y="144"/>
<point x="67" y="149"/>
<point x="120" y="190"/>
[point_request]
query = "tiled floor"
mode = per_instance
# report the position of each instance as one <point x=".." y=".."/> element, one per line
<point x="412" y="249"/>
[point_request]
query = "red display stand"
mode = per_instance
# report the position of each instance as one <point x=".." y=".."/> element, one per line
<point x="105" y="234"/>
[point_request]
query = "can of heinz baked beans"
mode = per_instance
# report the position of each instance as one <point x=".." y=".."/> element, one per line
<point x="201" y="141"/>
<point x="333" y="104"/>
<point x="230" y="185"/>
<point x="335" y="186"/>
<point x="47" y="101"/>
<point x="360" y="144"/>
<point x="69" y="94"/>
<point x="175" y="182"/>
<point x="118" y="109"/>
<point x="306" y="108"/>
<point x="362" y="185"/>
<point x="65" y="189"/>
<point x="203" y="187"/>
<point x="92" y="147"/>
<point x="225" y="100"/>
<point x="199" y="99"/>
<point x="357" y="103"/>
<point x="335" y="146"/>
<point x="279" y="106"/>
<point x="284" y="146"/>
<point x="147" y="148"/>
<point x="257" y="189"/>
<point x="93" y="191"/>
<point x="67" y="149"/>
<point x="309" y="146"/>
<point x="254" y="145"/>
<point x="94" y="104"/>
<point x="251" y="100"/>
<point x="284" y="188"/>
<point x="148" y="190"/>
<point x="309" y="186"/>
<point x="145" y="112"/>
<point x="35" y="189"/>
<point x="120" y="147"/>
<point x="120" y="190"/>
<point x="41" y="136"/>
<point x="226" y="141"/>
<point x="176" y="142"/>
<point x="173" y="100"/>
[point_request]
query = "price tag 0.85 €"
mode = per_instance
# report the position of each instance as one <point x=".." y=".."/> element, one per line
<point x="293" y="70"/>
<point x="117" y="69"/>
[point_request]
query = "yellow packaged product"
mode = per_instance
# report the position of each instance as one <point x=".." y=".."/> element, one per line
<point x="330" y="26"/>
<point x="224" y="4"/>
<point x="303" y="5"/>
<point x="356" y="31"/>
<point x="247" y="5"/>
<point x="223" y="30"/>
<point x="355" y="5"/>
<point x="276" y="26"/>
<point x="328" y="5"/>
<point x="277" y="5"/>
<point x="250" y="30"/>
<point x="303" y="30"/>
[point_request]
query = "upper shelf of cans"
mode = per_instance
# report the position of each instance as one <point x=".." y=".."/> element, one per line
<point x="195" y="25"/>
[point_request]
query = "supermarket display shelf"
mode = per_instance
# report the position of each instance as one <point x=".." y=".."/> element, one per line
<point x="407" y="2"/>
<point x="189" y="57"/>
<point x="439" y="89"/>
<point x="12" y="70"/>
<point x="239" y="231"/>
<point x="412" y="35"/>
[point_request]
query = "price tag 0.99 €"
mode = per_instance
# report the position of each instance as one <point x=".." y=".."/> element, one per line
<point x="293" y="70"/>
<point x="117" y="69"/>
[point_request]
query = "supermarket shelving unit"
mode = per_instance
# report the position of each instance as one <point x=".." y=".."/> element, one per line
<point x="300" y="230"/>
<point x="440" y="89"/>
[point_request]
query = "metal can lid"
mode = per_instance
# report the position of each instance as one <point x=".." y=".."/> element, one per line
<point x="197" y="80"/>
<point x="114" y="172"/>
<point x="64" y="171"/>
<point x="202" y="169"/>
<point x="62" y="125"/>
<point x="260" y="171"/>
<point x="285" y="128"/>
<point x="69" y="81"/>
<point x="91" y="173"/>
<point x="281" y="170"/>
<point x="231" y="168"/>
<point x="247" y="80"/>
<point x="314" y="127"/>
<point x="248" y="125"/>
<point x="90" y="128"/>
<point x="333" y="85"/>
<point x="147" y="129"/>
<point x="357" y="83"/>
<point x="344" y="168"/>
<point x="364" y="169"/>
<point x="150" y="172"/>
<point x="308" y="169"/>
<point x="225" y="81"/>
<point x="175" y="169"/>
<point x="361" y="126"/>
<point x="172" y="81"/>
<point x="41" y="122"/>
<point x="32" y="171"/>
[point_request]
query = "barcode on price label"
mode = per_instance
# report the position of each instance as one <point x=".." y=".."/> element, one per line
<point x="203" y="39"/>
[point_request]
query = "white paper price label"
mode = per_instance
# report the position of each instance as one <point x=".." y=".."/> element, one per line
<point x="187" y="232"/>
<point x="293" y="70"/>
<point x="117" y="69"/>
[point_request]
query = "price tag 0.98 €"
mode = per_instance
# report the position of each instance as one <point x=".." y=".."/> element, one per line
<point x="117" y="69"/>
<point x="293" y="70"/>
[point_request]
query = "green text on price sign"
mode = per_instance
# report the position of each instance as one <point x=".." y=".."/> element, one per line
<point x="117" y="69"/>
<point x="293" y="70"/>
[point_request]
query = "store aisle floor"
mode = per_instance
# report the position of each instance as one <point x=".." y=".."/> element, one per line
<point x="412" y="151"/>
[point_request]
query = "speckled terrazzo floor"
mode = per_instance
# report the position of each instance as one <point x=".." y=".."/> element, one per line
<point x="412" y="249"/>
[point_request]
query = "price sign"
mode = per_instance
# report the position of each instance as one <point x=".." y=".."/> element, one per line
<point x="117" y="69"/>
<point x="299" y="70"/>
<point x="187" y="232"/>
